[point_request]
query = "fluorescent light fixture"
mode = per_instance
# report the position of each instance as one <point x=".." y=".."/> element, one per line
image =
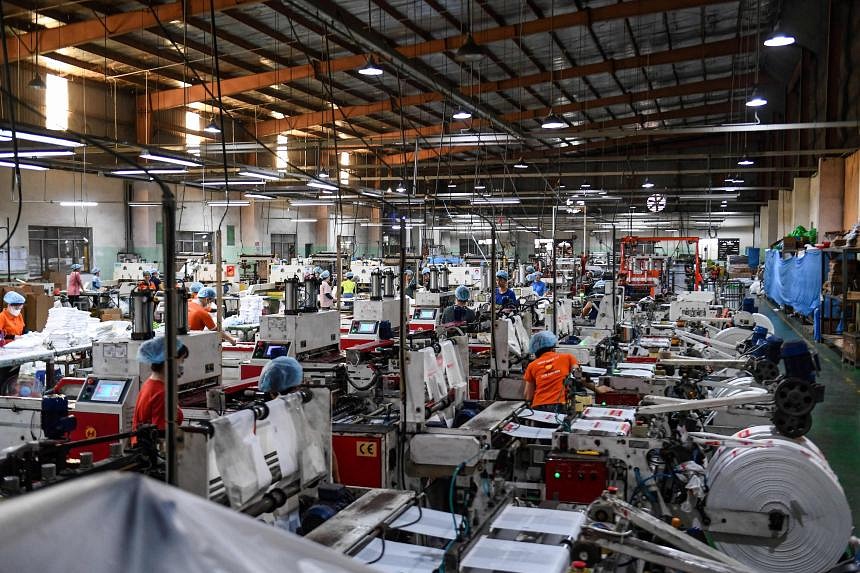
<point x="585" y="185"/>
<point x="495" y="201"/>
<point x="158" y="156"/>
<point x="371" y="68"/>
<point x="144" y="204"/>
<point x="451" y="184"/>
<point x="29" y="166"/>
<point x="301" y="220"/>
<point x="236" y="203"/>
<point x="671" y="230"/>
<point x="647" y="184"/>
<point x="372" y="224"/>
<point x="480" y="186"/>
<point x="260" y="174"/>
<point x="520" y="164"/>
<point x="231" y="183"/>
<point x="462" y="114"/>
<point x="321" y="185"/>
<point x="737" y="180"/>
<point x="455" y="196"/>
<point x="310" y="203"/>
<point x="406" y="200"/>
<point x="729" y="179"/>
<point x="323" y="174"/>
<point x="35" y="137"/>
<point x="78" y="204"/>
<point x="34" y="154"/>
<point x="553" y="121"/>
<point x="711" y="197"/>
<point x="258" y="196"/>
<point x="745" y="161"/>
<point x="149" y="172"/>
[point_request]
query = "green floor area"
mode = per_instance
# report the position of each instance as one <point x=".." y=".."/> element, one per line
<point x="836" y="421"/>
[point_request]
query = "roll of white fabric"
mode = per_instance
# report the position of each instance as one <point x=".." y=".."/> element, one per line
<point x="789" y="476"/>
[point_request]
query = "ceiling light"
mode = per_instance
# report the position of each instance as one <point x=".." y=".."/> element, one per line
<point x="159" y="156"/>
<point x="144" y="204"/>
<point x="451" y="184"/>
<point x="462" y="114"/>
<point x="61" y="141"/>
<point x="149" y="172"/>
<point x="31" y="154"/>
<point x="321" y="185"/>
<point x="258" y="196"/>
<point x="401" y="188"/>
<point x="706" y="197"/>
<point x="729" y="179"/>
<point x="671" y="230"/>
<point x="647" y="184"/>
<point x="323" y="174"/>
<point x="495" y="201"/>
<point x="520" y="164"/>
<point x="212" y="127"/>
<point x="371" y="68"/>
<point x="737" y="179"/>
<point x="777" y="38"/>
<point x="236" y="203"/>
<point x="553" y="121"/>
<point x="310" y="203"/>
<point x="231" y="183"/>
<point x="745" y="161"/>
<point x="301" y="220"/>
<point x="469" y="51"/>
<point x="480" y="186"/>
<point x="78" y="204"/>
<point x="29" y="166"/>
<point x="37" y="83"/>
<point x="259" y="173"/>
<point x="585" y="185"/>
<point x="756" y="99"/>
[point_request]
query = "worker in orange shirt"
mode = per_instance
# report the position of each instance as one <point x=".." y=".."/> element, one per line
<point x="11" y="325"/>
<point x="199" y="317"/>
<point x="151" y="404"/>
<point x="545" y="376"/>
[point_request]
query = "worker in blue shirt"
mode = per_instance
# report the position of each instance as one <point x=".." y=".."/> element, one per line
<point x="96" y="283"/>
<point x="538" y="286"/>
<point x="505" y="296"/>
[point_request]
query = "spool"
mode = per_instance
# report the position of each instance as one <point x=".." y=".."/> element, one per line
<point x="388" y="283"/>
<point x="444" y="274"/>
<point x="375" y="285"/>
<point x="291" y="296"/>
<point x="141" y="314"/>
<point x="434" y="279"/>
<point x="312" y="292"/>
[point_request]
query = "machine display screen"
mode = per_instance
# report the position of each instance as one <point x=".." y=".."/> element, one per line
<point x="365" y="327"/>
<point x="271" y="350"/>
<point x="426" y="314"/>
<point x="108" y="391"/>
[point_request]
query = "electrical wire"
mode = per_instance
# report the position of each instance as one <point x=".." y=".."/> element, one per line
<point x="10" y="111"/>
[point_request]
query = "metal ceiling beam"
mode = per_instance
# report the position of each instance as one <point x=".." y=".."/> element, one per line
<point x="52" y="39"/>
<point x="721" y="48"/>
<point x="167" y="99"/>
<point x="696" y="130"/>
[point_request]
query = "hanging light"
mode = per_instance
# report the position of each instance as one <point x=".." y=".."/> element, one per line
<point x="745" y="161"/>
<point x="585" y="185"/>
<point x="462" y="114"/>
<point x="520" y="164"/>
<point x="371" y="68"/>
<point x="469" y="51"/>
<point x="553" y="121"/>
<point x="323" y="174"/>
<point x="212" y="127"/>
<point x="401" y="188"/>
<point x="37" y="83"/>
<point x="756" y="99"/>
<point x="778" y="38"/>
<point x="647" y="184"/>
<point x="451" y="184"/>
<point x="729" y="179"/>
<point x="480" y="186"/>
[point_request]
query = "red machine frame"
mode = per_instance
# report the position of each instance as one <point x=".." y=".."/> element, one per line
<point x="633" y="240"/>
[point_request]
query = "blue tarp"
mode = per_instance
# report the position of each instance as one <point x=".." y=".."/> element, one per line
<point x="795" y="282"/>
<point x="753" y="256"/>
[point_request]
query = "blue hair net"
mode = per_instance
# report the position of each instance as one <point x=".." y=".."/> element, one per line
<point x="96" y="270"/>
<point x="280" y="375"/>
<point x="206" y="292"/>
<point x="76" y="267"/>
<point x="530" y="269"/>
<point x="325" y="275"/>
<point x="196" y="287"/>
<point x="153" y="351"/>
<point x="530" y="277"/>
<point x="425" y="271"/>
<point x="317" y="270"/>
<point x="541" y="340"/>
<point x="503" y="275"/>
<point x="13" y="297"/>
<point x="350" y="275"/>
<point x="462" y="292"/>
<point x="408" y="272"/>
<point x="537" y="275"/>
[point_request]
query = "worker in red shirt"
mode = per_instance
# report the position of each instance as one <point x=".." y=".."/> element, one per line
<point x="545" y="376"/>
<point x="150" y="407"/>
<point x="11" y="325"/>
<point x="199" y="317"/>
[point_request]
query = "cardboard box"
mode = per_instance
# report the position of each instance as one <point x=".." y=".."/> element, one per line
<point x="36" y="310"/>
<point x="107" y="314"/>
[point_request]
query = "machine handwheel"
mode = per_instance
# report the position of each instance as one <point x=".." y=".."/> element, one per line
<point x="764" y="370"/>
<point x="791" y="426"/>
<point x="794" y="396"/>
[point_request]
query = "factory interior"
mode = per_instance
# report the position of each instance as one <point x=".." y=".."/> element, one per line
<point x="424" y="286"/>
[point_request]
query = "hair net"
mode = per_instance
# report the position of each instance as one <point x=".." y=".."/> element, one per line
<point x="280" y="375"/>
<point x="317" y="270"/>
<point x="325" y="275"/>
<point x="537" y="275"/>
<point x="502" y="275"/>
<point x="196" y="287"/>
<point x="145" y="273"/>
<point x="96" y="270"/>
<point x="206" y="292"/>
<point x="76" y="267"/>
<point x="541" y="340"/>
<point x="408" y="272"/>
<point x="154" y="271"/>
<point x="530" y="269"/>
<point x="462" y="292"/>
<point x="530" y="277"/>
<point x="425" y="271"/>
<point x="350" y="275"/>
<point x="13" y="297"/>
<point x="153" y="351"/>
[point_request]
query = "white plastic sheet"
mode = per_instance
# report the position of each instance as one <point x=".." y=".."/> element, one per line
<point x="617" y="414"/>
<point x="540" y="520"/>
<point x="517" y="557"/>
<point x="428" y="522"/>
<point x="281" y="436"/>
<point x="126" y="522"/>
<point x="239" y="457"/>
<point x="401" y="557"/>
<point x="600" y="427"/>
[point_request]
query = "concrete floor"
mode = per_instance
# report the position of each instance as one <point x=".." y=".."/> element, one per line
<point x="836" y="421"/>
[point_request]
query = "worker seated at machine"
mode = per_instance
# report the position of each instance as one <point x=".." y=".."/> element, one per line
<point x="538" y="286"/>
<point x="195" y="289"/>
<point x="411" y="284"/>
<point x="545" y="377"/>
<point x="459" y="312"/>
<point x="11" y="325"/>
<point x="280" y="377"/>
<point x="199" y="317"/>
<point x="150" y="406"/>
<point x="425" y="278"/>
<point x="505" y="297"/>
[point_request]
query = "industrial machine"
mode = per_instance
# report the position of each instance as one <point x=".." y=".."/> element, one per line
<point x="431" y="302"/>
<point x="131" y="272"/>
<point x="649" y="272"/>
<point x="207" y="273"/>
<point x="377" y="317"/>
<point x="280" y="272"/>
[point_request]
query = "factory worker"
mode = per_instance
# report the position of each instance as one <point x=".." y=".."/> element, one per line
<point x="283" y="375"/>
<point x="545" y="376"/>
<point x="425" y="278"/>
<point x="411" y="285"/>
<point x="326" y="299"/>
<point x="195" y="288"/>
<point x="347" y="287"/>
<point x="504" y="295"/>
<point x="96" y="283"/>
<point x="317" y="272"/>
<point x="150" y="407"/>
<point x="591" y="309"/>
<point x="538" y="286"/>
<point x="459" y="312"/>
<point x="154" y="281"/>
<point x="199" y="317"/>
<point x="11" y="325"/>
<point x="74" y="284"/>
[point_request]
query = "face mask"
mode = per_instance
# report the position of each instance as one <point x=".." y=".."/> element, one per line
<point x="14" y="311"/>
<point x="180" y="370"/>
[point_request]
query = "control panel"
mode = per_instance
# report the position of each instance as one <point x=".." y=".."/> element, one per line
<point x="271" y="349"/>
<point x="425" y="314"/>
<point x="105" y="390"/>
<point x="364" y="327"/>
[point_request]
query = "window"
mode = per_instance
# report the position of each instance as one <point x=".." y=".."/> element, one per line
<point x="344" y="163"/>
<point x="281" y="155"/>
<point x="56" y="102"/>
<point x="192" y="141"/>
<point x="466" y="246"/>
<point x="58" y="248"/>
<point x="284" y="246"/>
<point x="193" y="242"/>
<point x="231" y="235"/>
